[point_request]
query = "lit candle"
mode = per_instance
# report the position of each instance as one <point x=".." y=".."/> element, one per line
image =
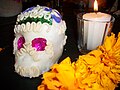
<point x="94" y="27"/>
<point x="95" y="6"/>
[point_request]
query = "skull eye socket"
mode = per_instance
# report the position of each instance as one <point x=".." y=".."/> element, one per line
<point x="39" y="44"/>
<point x="20" y="42"/>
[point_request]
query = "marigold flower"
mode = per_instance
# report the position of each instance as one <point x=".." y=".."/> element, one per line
<point x="97" y="70"/>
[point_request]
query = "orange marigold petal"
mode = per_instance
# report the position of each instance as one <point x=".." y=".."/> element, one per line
<point x="49" y="75"/>
<point x="66" y="78"/>
<point x="95" y="53"/>
<point x="109" y="42"/>
<point x="66" y="61"/>
<point x="90" y="59"/>
<point x="50" y="84"/>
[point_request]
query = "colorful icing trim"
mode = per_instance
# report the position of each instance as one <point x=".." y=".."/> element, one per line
<point x="48" y="9"/>
<point x="36" y="20"/>
<point x="42" y="14"/>
<point x="57" y="19"/>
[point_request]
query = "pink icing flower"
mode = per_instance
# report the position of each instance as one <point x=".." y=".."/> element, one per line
<point x="20" y="42"/>
<point x="39" y="44"/>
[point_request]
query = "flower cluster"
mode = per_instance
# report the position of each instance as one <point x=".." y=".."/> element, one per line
<point x="97" y="70"/>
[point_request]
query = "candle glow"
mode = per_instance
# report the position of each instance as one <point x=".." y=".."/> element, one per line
<point x="95" y="6"/>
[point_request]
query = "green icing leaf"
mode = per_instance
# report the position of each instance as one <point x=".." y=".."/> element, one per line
<point x="42" y="20"/>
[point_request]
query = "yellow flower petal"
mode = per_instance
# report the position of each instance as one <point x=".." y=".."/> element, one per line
<point x="65" y="76"/>
<point x="107" y="83"/>
<point x="109" y="42"/>
<point x="41" y="87"/>
<point x="90" y="59"/>
<point x="66" y="61"/>
<point x="49" y="75"/>
<point x="90" y="79"/>
<point x="98" y="68"/>
<point x="51" y="85"/>
<point x="95" y="53"/>
<point x="96" y="86"/>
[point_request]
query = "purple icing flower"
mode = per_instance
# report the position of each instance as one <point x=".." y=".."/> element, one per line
<point x="58" y="14"/>
<point x="57" y="19"/>
<point x="29" y="9"/>
<point x="20" y="42"/>
<point x="48" y="9"/>
<point x="39" y="44"/>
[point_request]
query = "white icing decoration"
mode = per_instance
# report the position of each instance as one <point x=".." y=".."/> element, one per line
<point x="15" y="29"/>
<point x="47" y="16"/>
<point x="33" y="71"/>
<point x="27" y="27"/>
<point x="23" y="27"/>
<point x="22" y="50"/>
<point x="64" y="40"/>
<point x="38" y="26"/>
<point x="40" y="15"/>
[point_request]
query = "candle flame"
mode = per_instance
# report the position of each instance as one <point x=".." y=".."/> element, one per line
<point x="95" y="6"/>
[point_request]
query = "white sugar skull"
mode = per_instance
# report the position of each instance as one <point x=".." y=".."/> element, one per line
<point x="39" y="40"/>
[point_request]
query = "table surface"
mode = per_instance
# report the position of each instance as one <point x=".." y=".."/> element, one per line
<point x="9" y="79"/>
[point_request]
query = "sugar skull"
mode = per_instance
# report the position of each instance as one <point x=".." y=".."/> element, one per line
<point x="39" y="40"/>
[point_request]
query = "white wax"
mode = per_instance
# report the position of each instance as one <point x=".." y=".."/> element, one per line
<point x="97" y="16"/>
<point x="94" y="28"/>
